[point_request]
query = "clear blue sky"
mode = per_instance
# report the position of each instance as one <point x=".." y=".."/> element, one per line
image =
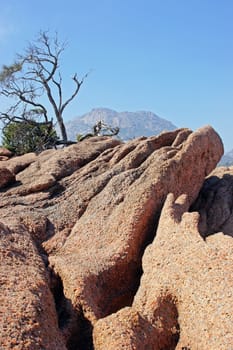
<point x="172" y="57"/>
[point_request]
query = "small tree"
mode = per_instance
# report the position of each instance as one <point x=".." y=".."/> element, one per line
<point x="34" y="74"/>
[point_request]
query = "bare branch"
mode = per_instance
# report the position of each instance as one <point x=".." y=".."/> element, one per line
<point x="78" y="85"/>
<point x="35" y="73"/>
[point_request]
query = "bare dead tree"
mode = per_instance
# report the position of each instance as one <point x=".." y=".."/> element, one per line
<point x="33" y="75"/>
<point x="100" y="128"/>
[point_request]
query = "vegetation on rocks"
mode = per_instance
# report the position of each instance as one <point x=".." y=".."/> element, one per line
<point x="25" y="137"/>
<point x="32" y="87"/>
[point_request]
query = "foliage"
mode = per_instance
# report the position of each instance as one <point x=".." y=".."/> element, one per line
<point x="24" y="137"/>
<point x="34" y="83"/>
<point x="81" y="137"/>
<point x="99" y="129"/>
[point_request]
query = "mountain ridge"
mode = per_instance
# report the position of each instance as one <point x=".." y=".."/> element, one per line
<point x="227" y="159"/>
<point x="131" y="124"/>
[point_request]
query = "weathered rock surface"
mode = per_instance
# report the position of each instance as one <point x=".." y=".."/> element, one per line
<point x="29" y="316"/>
<point x="185" y="294"/>
<point x="27" y="313"/>
<point x="100" y="262"/>
<point x="91" y="209"/>
<point x="17" y="164"/>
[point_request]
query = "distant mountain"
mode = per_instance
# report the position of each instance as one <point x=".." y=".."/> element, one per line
<point x="227" y="159"/>
<point x="131" y="124"/>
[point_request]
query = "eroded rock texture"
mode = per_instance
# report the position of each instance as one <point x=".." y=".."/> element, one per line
<point x="100" y="261"/>
<point x="27" y="314"/>
<point x="89" y="211"/>
<point x="185" y="296"/>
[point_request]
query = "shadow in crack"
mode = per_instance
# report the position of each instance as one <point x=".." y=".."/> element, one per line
<point x="166" y="319"/>
<point x="215" y="206"/>
<point x="10" y="186"/>
<point x="76" y="329"/>
<point x="117" y="285"/>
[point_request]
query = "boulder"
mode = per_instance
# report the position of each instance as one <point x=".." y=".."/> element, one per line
<point x="185" y="296"/>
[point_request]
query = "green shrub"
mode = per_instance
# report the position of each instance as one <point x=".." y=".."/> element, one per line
<point x="25" y="137"/>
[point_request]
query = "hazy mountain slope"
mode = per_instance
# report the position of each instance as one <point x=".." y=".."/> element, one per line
<point x="227" y="159"/>
<point x="131" y="124"/>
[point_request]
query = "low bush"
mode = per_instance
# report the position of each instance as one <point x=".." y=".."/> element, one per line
<point x="24" y="137"/>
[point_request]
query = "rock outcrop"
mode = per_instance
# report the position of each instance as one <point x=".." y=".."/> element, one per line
<point x="105" y="246"/>
<point x="185" y="296"/>
<point x="84" y="216"/>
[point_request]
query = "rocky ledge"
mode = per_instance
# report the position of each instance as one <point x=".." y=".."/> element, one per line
<point x="110" y="245"/>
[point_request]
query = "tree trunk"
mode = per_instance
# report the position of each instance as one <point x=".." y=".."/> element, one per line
<point x="62" y="127"/>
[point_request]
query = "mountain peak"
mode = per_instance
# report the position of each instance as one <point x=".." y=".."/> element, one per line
<point x="103" y="109"/>
<point x="131" y="124"/>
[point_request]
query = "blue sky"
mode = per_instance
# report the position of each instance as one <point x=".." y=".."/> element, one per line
<point x="172" y="57"/>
